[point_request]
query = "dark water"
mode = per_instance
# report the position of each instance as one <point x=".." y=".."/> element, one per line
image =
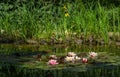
<point x="11" y="49"/>
<point x="13" y="52"/>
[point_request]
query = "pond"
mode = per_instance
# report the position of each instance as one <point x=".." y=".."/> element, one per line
<point x="24" y="61"/>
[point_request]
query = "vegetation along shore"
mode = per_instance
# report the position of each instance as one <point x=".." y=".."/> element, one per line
<point x="60" y="21"/>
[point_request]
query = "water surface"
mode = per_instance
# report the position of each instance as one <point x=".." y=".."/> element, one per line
<point x="23" y="56"/>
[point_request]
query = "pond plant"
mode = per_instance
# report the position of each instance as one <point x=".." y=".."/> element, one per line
<point x="82" y="63"/>
<point x="64" y="22"/>
<point x="72" y="57"/>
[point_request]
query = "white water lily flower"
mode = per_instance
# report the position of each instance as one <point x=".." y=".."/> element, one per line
<point x="77" y="58"/>
<point x="71" y="54"/>
<point x="69" y="59"/>
<point x="93" y="54"/>
<point x="53" y="57"/>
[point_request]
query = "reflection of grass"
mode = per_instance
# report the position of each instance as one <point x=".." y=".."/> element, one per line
<point x="50" y="21"/>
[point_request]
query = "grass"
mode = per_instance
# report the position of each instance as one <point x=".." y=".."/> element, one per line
<point x="59" y="22"/>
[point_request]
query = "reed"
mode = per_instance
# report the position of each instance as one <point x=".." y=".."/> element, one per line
<point x="47" y="20"/>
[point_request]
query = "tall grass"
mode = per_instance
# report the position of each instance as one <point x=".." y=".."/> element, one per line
<point x="59" y="21"/>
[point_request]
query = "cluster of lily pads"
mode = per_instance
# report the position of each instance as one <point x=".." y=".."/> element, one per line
<point x="72" y="57"/>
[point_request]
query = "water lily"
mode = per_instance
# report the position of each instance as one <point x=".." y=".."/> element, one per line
<point x="69" y="59"/>
<point x="52" y="62"/>
<point x="71" y="54"/>
<point x="53" y="57"/>
<point x="93" y="54"/>
<point x="84" y="60"/>
<point x="77" y="58"/>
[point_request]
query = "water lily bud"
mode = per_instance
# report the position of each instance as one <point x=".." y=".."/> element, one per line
<point x="84" y="60"/>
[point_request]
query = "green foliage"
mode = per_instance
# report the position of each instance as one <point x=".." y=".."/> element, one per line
<point x="59" y="18"/>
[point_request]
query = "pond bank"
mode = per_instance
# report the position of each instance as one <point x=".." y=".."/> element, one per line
<point x="111" y="38"/>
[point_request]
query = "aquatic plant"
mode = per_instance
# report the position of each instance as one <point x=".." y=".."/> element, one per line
<point x="84" y="60"/>
<point x="106" y="63"/>
<point x="52" y="62"/>
<point x="92" y="54"/>
<point x="52" y="57"/>
<point x="69" y="59"/>
<point x="72" y="57"/>
<point x="71" y="54"/>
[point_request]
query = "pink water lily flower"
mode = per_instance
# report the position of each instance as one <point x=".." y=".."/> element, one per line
<point x="93" y="54"/>
<point x="84" y="60"/>
<point x="52" y="62"/>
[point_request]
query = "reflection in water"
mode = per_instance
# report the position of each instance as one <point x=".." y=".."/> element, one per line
<point x="13" y="53"/>
<point x="27" y="49"/>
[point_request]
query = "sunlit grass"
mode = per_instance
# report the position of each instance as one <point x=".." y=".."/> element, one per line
<point x="60" y="22"/>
